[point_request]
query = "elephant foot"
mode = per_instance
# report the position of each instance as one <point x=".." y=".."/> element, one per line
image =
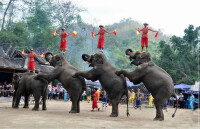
<point x="15" y="107"/>
<point x="113" y="115"/>
<point x="73" y="111"/>
<point x="35" y="109"/>
<point x="158" y="119"/>
<point x="44" y="108"/>
<point x="26" y="107"/>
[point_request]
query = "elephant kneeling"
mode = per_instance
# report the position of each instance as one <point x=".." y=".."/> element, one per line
<point x="25" y="84"/>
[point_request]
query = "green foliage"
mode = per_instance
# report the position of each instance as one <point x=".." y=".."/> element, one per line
<point x="179" y="59"/>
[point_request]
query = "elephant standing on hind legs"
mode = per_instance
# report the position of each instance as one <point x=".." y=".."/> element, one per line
<point x="63" y="71"/>
<point x="157" y="81"/>
<point x="103" y="71"/>
<point x="25" y="84"/>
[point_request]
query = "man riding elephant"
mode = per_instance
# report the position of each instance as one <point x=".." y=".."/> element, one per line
<point x="157" y="81"/>
<point x="63" y="71"/>
<point x="103" y="71"/>
<point x="25" y="84"/>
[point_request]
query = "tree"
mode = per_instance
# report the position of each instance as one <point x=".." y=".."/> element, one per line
<point x="4" y="15"/>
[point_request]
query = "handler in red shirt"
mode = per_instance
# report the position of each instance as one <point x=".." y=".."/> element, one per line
<point x="94" y="102"/>
<point x="144" y="38"/>
<point x="101" y="33"/>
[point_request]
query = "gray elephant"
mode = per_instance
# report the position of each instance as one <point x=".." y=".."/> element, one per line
<point x="63" y="71"/>
<point x="103" y="71"/>
<point x="25" y="84"/>
<point x="157" y="81"/>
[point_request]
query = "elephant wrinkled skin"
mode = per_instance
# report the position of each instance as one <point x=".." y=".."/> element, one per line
<point x="103" y="71"/>
<point x="157" y="81"/>
<point x="25" y="84"/>
<point x="63" y="71"/>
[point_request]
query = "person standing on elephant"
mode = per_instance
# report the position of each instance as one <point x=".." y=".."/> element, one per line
<point x="144" y="38"/>
<point x="138" y="96"/>
<point x="63" y="40"/>
<point x="101" y="33"/>
<point x="31" y="63"/>
<point x="94" y="102"/>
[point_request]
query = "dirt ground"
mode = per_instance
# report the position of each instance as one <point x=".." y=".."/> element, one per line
<point x="58" y="116"/>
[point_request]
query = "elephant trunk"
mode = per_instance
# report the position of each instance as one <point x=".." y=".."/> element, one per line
<point x="129" y="53"/>
<point x="86" y="57"/>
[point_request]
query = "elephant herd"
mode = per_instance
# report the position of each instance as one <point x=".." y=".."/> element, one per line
<point x="157" y="81"/>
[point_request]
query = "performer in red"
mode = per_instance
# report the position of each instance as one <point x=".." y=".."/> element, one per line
<point x="31" y="63"/>
<point x="144" y="38"/>
<point x="94" y="102"/>
<point x="101" y="33"/>
<point x="63" y="40"/>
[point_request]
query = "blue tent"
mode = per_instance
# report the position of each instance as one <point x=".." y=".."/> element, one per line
<point x="130" y="84"/>
<point x="182" y="86"/>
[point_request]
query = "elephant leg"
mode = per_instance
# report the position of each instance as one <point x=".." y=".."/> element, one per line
<point x="114" y="108"/>
<point x="26" y="100"/>
<point x="36" y="96"/>
<point x="74" y="106"/>
<point x="159" y="102"/>
<point x="44" y="98"/>
<point x="78" y="106"/>
<point x="13" y="102"/>
<point x="17" y="99"/>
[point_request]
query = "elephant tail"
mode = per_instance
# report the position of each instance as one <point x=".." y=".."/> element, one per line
<point x="127" y="112"/>
<point x="175" y="96"/>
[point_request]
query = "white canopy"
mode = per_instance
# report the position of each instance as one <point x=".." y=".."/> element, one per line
<point x="196" y="86"/>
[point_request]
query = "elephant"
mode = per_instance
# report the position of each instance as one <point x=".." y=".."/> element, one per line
<point x="157" y="81"/>
<point x="63" y="71"/>
<point x="25" y="84"/>
<point x="103" y="71"/>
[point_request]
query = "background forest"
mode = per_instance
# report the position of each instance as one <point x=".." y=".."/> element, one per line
<point x="29" y="24"/>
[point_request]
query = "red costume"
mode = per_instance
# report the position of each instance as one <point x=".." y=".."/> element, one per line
<point x="31" y="63"/>
<point x="94" y="102"/>
<point x="101" y="39"/>
<point x="144" y="38"/>
<point x="63" y="41"/>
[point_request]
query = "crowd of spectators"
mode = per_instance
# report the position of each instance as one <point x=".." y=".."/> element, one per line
<point x="6" y="89"/>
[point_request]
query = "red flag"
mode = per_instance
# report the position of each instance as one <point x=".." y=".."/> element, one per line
<point x="22" y="51"/>
<point x="115" y="32"/>
<point x="156" y="35"/>
<point x="93" y="35"/>
<point x="138" y="31"/>
<point x="54" y="32"/>
<point x="74" y="33"/>
<point x="43" y="55"/>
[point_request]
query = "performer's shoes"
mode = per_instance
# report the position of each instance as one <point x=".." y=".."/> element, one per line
<point x="92" y="110"/>
<point x="98" y="109"/>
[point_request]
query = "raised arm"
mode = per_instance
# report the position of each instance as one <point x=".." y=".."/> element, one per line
<point x="107" y="32"/>
<point x="153" y="30"/>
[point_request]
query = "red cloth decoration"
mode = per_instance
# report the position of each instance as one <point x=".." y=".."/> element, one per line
<point x="54" y="32"/>
<point x="156" y="35"/>
<point x="115" y="32"/>
<point x="93" y="35"/>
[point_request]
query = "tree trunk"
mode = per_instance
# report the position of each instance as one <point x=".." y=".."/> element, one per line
<point x="4" y="15"/>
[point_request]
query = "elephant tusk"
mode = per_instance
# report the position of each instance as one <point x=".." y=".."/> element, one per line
<point x="85" y="62"/>
<point x="127" y="56"/>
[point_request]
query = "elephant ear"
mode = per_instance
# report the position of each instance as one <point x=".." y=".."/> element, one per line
<point x="58" y="60"/>
<point x="98" y="59"/>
